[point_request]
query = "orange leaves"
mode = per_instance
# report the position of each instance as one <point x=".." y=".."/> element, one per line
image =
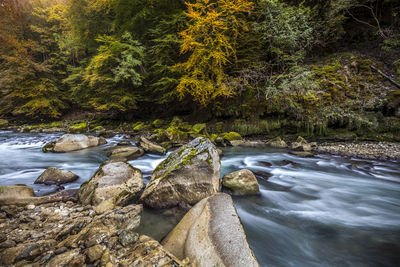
<point x="211" y="41"/>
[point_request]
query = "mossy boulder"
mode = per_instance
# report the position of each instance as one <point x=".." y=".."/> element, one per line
<point x="301" y="145"/>
<point x="277" y="142"/>
<point x="199" y="128"/>
<point x="126" y="153"/>
<point x="115" y="180"/>
<point x="242" y="182"/>
<point x="53" y="175"/>
<point x="78" y="128"/>
<point x="14" y="193"/>
<point x="231" y="136"/>
<point x="188" y="175"/>
<point x="176" y="136"/>
<point x="72" y="142"/>
<point x="211" y="234"/>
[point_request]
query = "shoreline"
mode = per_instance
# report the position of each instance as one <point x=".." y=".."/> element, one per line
<point x="369" y="150"/>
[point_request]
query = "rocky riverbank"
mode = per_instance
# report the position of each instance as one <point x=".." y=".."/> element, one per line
<point x="97" y="225"/>
<point x="365" y="150"/>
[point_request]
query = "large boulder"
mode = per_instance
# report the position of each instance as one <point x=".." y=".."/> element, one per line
<point x="53" y="175"/>
<point x="188" y="175"/>
<point x="211" y="234"/>
<point x="114" y="183"/>
<point x="71" y="142"/>
<point x="126" y="153"/>
<point x="242" y="182"/>
<point x="151" y="147"/>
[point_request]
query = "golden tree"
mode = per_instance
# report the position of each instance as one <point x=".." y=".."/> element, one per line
<point x="210" y="39"/>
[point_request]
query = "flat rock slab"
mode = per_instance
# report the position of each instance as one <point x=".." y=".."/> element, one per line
<point x="211" y="234"/>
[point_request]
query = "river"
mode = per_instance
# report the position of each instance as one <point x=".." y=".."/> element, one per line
<point x="321" y="211"/>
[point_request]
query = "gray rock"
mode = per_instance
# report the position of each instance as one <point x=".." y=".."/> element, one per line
<point x="72" y="142"/>
<point x="126" y="153"/>
<point x="115" y="182"/>
<point x="277" y="143"/>
<point x="151" y="147"/>
<point x="128" y="237"/>
<point x="53" y="175"/>
<point x="242" y="182"/>
<point x="211" y="234"/>
<point x="188" y="175"/>
<point x="301" y="145"/>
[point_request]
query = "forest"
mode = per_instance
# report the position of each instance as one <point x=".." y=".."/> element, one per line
<point x="262" y="65"/>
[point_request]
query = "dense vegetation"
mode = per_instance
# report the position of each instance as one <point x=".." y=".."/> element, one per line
<point x="273" y="62"/>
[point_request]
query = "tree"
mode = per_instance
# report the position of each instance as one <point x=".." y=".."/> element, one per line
<point x="113" y="75"/>
<point x="210" y="39"/>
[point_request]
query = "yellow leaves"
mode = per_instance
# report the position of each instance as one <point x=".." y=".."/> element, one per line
<point x="211" y="39"/>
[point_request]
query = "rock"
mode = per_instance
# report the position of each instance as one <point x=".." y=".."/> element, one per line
<point x="211" y="234"/>
<point x="71" y="142"/>
<point x="242" y="182"/>
<point x="188" y="175"/>
<point x="277" y="143"/>
<point x="94" y="253"/>
<point x="126" y="153"/>
<point x="124" y="143"/>
<point x="247" y="143"/>
<point x="303" y="154"/>
<point x="128" y="237"/>
<point x="147" y="252"/>
<point x="301" y="145"/>
<point x="3" y="123"/>
<point x="23" y="195"/>
<point x="118" y="181"/>
<point x="151" y="147"/>
<point x="176" y="136"/>
<point x="53" y="175"/>
<point x="266" y="164"/>
<point x="64" y="259"/>
<point x="232" y="138"/>
<point x="106" y="134"/>
<point x="199" y="128"/>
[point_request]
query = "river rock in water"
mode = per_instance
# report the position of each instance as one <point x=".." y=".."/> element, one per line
<point x="72" y="142"/>
<point x="277" y="143"/>
<point x="151" y="147"/>
<point x="301" y="144"/>
<point x="126" y="153"/>
<point x="211" y="234"/>
<point x="114" y="183"/>
<point x="53" y="175"/>
<point x="188" y="175"/>
<point x="242" y="182"/>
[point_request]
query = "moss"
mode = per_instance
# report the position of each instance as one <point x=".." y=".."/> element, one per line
<point x="56" y="124"/>
<point x="157" y="123"/>
<point x="138" y="126"/>
<point x="3" y="122"/>
<point x="98" y="128"/>
<point x="199" y="127"/>
<point x="231" y="136"/>
<point x="77" y="128"/>
<point x="175" y="135"/>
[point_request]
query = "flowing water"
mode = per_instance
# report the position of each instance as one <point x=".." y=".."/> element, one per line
<point x="321" y="211"/>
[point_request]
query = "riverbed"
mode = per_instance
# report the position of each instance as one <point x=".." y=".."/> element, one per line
<point x="320" y="211"/>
